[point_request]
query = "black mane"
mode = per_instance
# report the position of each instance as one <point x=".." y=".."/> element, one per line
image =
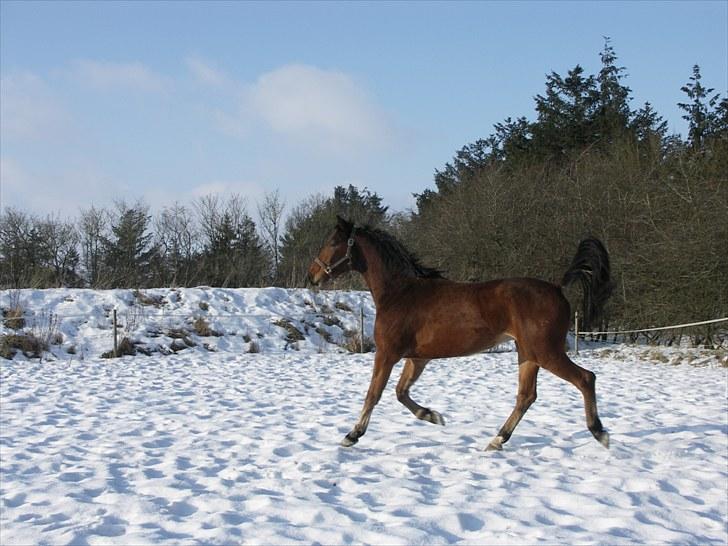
<point x="396" y="257"/>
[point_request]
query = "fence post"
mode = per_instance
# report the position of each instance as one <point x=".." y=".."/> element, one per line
<point x="576" y="332"/>
<point x="116" y="338"/>
<point x="361" y="327"/>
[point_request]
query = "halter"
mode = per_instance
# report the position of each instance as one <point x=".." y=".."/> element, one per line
<point x="328" y="269"/>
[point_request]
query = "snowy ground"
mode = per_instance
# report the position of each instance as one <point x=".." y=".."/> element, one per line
<point x="228" y="447"/>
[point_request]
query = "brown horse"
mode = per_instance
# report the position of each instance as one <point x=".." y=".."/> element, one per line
<point x="421" y="316"/>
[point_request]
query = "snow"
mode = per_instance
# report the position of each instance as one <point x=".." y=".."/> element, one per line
<point x="231" y="447"/>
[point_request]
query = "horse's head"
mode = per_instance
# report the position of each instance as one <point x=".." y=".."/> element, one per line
<point x="334" y="258"/>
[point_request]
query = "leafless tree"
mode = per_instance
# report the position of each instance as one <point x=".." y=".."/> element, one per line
<point x="270" y="214"/>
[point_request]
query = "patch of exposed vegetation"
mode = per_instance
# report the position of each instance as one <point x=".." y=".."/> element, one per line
<point x="148" y="299"/>
<point x="670" y="355"/>
<point x="332" y="320"/>
<point x="125" y="348"/>
<point x="325" y="334"/>
<point x="202" y="328"/>
<point x="30" y="345"/>
<point x="353" y="342"/>
<point x="342" y="306"/>
<point x="293" y="334"/>
<point x="13" y="318"/>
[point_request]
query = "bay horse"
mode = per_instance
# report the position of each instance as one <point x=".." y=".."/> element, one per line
<point x="420" y="316"/>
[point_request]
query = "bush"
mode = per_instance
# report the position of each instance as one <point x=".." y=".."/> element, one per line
<point x="202" y="328"/>
<point x="125" y="348"/>
<point x="30" y="345"/>
<point x="353" y="343"/>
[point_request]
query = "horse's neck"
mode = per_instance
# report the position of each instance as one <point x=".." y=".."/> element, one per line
<point x="377" y="278"/>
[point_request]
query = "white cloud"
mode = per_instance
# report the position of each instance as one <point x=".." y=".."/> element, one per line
<point x="28" y="109"/>
<point x="324" y="106"/>
<point x="323" y="110"/>
<point x="110" y="75"/>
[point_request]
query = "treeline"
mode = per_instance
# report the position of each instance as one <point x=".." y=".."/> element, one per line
<point x="513" y="203"/>
<point x="214" y="241"/>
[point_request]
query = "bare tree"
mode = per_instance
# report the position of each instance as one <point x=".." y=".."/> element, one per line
<point x="270" y="214"/>
<point x="176" y="239"/>
<point x="61" y="239"/>
<point x="93" y="227"/>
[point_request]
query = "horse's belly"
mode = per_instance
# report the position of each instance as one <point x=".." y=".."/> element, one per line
<point x="444" y="344"/>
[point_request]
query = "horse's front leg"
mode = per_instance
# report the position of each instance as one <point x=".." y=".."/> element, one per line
<point x="383" y="364"/>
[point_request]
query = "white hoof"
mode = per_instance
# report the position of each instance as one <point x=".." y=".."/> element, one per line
<point x="496" y="444"/>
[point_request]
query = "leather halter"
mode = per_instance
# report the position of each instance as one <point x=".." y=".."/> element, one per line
<point x="329" y="268"/>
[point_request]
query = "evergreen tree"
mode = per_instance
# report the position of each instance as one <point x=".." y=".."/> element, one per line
<point x="566" y="113"/>
<point x="613" y="112"/>
<point x="129" y="251"/>
<point x="699" y="111"/>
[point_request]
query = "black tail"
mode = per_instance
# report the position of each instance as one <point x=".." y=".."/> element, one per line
<point x="590" y="267"/>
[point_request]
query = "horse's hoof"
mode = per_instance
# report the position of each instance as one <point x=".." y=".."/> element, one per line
<point x="349" y="440"/>
<point x="603" y="438"/>
<point x="431" y="416"/>
<point x="435" y="418"/>
<point x="496" y="444"/>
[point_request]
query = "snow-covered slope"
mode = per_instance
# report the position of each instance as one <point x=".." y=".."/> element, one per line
<point x="202" y="319"/>
<point x="229" y="447"/>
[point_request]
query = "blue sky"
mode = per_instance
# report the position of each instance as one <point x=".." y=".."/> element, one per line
<point x="169" y="101"/>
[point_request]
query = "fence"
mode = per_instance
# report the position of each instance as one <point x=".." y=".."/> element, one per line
<point x="616" y="333"/>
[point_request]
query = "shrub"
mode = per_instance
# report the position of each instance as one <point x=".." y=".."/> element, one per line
<point x="125" y="348"/>
<point x="353" y="344"/>
<point x="13" y="314"/>
<point x="293" y="334"/>
<point x="148" y="299"/>
<point x="202" y="328"/>
<point x="30" y="345"/>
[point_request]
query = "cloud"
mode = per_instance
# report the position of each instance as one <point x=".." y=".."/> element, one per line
<point x="110" y="75"/>
<point x="313" y="108"/>
<point x="29" y="110"/>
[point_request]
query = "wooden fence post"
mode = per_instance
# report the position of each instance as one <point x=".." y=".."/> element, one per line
<point x="576" y="332"/>
<point x="361" y="327"/>
<point x="116" y="337"/>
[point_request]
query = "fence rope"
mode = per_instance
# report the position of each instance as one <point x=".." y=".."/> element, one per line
<point x="673" y="327"/>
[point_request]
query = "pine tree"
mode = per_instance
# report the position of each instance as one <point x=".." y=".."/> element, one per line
<point x="129" y="250"/>
<point x="699" y="111"/>
<point x="613" y="112"/>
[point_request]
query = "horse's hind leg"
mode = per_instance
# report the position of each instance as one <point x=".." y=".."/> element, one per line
<point x="412" y="369"/>
<point x="584" y="380"/>
<point x="527" y="373"/>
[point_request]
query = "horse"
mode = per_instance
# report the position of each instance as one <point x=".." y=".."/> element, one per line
<point x="421" y="315"/>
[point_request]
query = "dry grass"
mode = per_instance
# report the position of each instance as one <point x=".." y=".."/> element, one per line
<point x="353" y="342"/>
<point x="293" y="334"/>
<point x="202" y="328"/>
<point x="124" y="348"/>
<point x="30" y="345"/>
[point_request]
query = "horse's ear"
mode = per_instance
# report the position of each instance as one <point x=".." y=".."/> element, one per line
<point x="345" y="225"/>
